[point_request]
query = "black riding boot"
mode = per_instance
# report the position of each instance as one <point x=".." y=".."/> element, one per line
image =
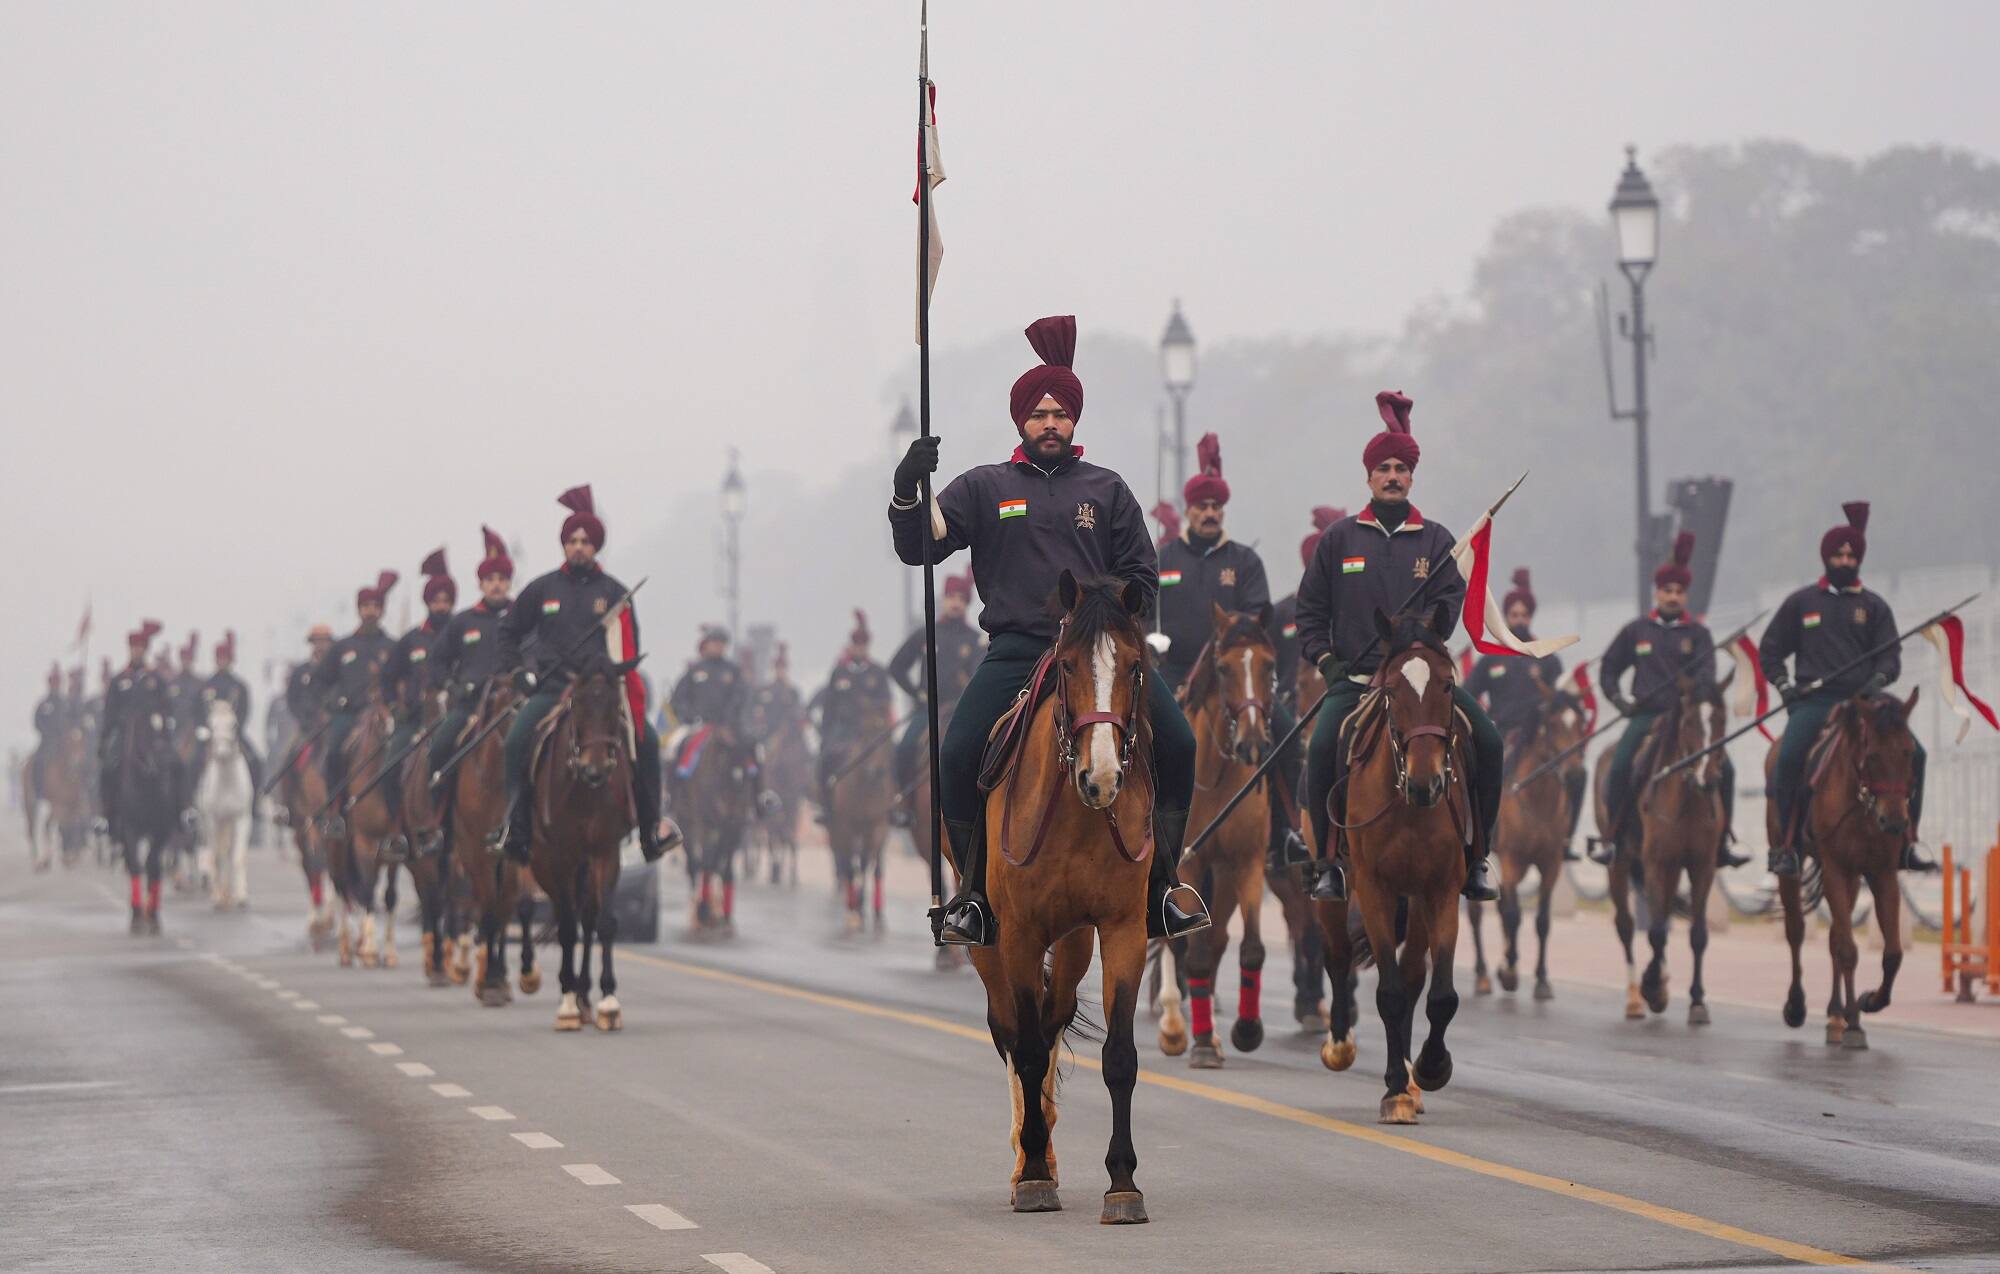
<point x="1783" y="860"/>
<point x="968" y="918"/>
<point x="1914" y="859"/>
<point x="1478" y="877"/>
<point x="520" y="828"/>
<point x="1166" y="917"/>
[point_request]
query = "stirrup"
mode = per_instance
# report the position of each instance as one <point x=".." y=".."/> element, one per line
<point x="431" y="843"/>
<point x="899" y="816"/>
<point x="396" y="849"/>
<point x="1329" y="883"/>
<point x="333" y="826"/>
<point x="1913" y="860"/>
<point x="1177" y="921"/>
<point x="1601" y="850"/>
<point x="965" y="922"/>
<point x="1783" y="860"/>
<point x="1290" y="851"/>
<point x="1479" y="881"/>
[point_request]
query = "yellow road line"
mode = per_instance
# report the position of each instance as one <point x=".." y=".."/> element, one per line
<point x="1803" y="1253"/>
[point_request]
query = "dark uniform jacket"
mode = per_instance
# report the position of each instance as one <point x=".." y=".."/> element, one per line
<point x="557" y="610"/>
<point x="1657" y="651"/>
<point x="1360" y="568"/>
<point x="133" y="692"/>
<point x="711" y="691"/>
<point x="1508" y="683"/>
<point x="229" y="688"/>
<point x="773" y="707"/>
<point x="467" y="653"/>
<point x="1284" y="632"/>
<point x="1026" y="525"/>
<point x="344" y="674"/>
<point x="407" y="677"/>
<point x="1824" y="628"/>
<point x="49" y="714"/>
<point x="305" y="693"/>
<point x="959" y="653"/>
<point x="1193" y="577"/>
<point x="856" y="695"/>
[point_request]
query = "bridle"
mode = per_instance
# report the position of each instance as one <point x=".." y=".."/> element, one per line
<point x="578" y="743"/>
<point x="1871" y="794"/>
<point x="1226" y="730"/>
<point x="1399" y="748"/>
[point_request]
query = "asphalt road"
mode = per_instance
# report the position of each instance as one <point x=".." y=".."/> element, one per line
<point x="222" y="1099"/>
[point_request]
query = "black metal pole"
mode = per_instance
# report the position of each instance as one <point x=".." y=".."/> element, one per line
<point x="924" y="481"/>
<point x="1644" y="545"/>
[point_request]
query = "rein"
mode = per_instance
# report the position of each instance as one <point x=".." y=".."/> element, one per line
<point x="1399" y="749"/>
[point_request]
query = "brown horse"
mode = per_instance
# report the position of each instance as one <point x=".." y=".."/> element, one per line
<point x="715" y="806"/>
<point x="788" y="769"/>
<point x="1289" y="888"/>
<point x="433" y="867"/>
<point x="1856" y="822"/>
<point x="1534" y="827"/>
<point x="1409" y="812"/>
<point x="1228" y="698"/>
<point x="478" y="809"/>
<point x="1084" y="871"/>
<point x="857" y="820"/>
<point x="583" y="810"/>
<point x="63" y="789"/>
<point x="301" y="791"/>
<point x="356" y="855"/>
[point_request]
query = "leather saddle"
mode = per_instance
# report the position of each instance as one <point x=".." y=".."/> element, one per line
<point x="1003" y="741"/>
<point x="1819" y="767"/>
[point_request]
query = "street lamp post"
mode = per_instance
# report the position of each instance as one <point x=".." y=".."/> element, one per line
<point x="1177" y="368"/>
<point x="1635" y="215"/>
<point x="735" y="500"/>
<point x="901" y="429"/>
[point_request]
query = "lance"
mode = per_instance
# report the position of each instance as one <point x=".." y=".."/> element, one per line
<point x="1305" y="718"/>
<point x="333" y="797"/>
<point x="866" y="752"/>
<point x="924" y="484"/>
<point x="292" y="758"/>
<point x="458" y="757"/>
<point x="1680" y="672"/>
<point x="1811" y="687"/>
<point x="394" y="763"/>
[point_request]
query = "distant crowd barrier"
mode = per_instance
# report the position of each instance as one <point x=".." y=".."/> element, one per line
<point x="1971" y="956"/>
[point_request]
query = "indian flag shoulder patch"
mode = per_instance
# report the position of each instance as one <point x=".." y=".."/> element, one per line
<point x="552" y="606"/>
<point x="1810" y="619"/>
<point x="1643" y="648"/>
<point x="1353" y="565"/>
<point x="471" y="636"/>
<point x="1289" y="630"/>
<point x="418" y="655"/>
<point x="1013" y="509"/>
<point x="1169" y="577"/>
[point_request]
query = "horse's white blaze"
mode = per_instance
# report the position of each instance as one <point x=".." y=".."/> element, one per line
<point x="1103" y="738"/>
<point x="1418" y="673"/>
<point x="1569" y="717"/>
<point x="1249" y="678"/>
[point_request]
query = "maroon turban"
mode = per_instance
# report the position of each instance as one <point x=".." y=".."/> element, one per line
<point x="1521" y="593"/>
<point x="437" y="579"/>
<point x="1054" y="339"/>
<point x="1676" y="571"/>
<point x="860" y="635"/>
<point x="143" y="635"/>
<point x="496" y="561"/>
<point x="380" y="593"/>
<point x="583" y="513"/>
<point x="189" y="651"/>
<point x="55" y="675"/>
<point x="959" y="586"/>
<point x="226" y="648"/>
<point x="782" y="661"/>
<point x="1169" y="519"/>
<point x="1851" y="536"/>
<point x="1324" y="516"/>
<point x="1208" y="484"/>
<point x="1394" y="442"/>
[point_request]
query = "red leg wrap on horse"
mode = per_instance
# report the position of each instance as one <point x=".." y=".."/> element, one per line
<point x="138" y="898"/>
<point x="728" y="899"/>
<point x="1251" y="1004"/>
<point x="1201" y="1006"/>
<point x="317" y="883"/>
<point x="878" y="894"/>
<point x="152" y="895"/>
<point x="707" y="887"/>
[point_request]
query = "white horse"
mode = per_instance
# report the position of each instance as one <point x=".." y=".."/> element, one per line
<point x="222" y="800"/>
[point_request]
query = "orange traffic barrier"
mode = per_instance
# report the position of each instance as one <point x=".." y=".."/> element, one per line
<point x="1968" y="959"/>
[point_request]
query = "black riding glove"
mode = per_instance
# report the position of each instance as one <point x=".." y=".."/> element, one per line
<point x="1875" y="685"/>
<point x="524" y="682"/>
<point x="1787" y="692"/>
<point x="1618" y="701"/>
<point x="919" y="460"/>
<point x="1331" y="668"/>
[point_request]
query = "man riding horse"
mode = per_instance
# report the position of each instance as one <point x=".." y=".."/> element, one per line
<point x="958" y="653"/>
<point x="1658" y="649"/>
<point x="1042" y="511"/>
<point x="846" y="710"/>
<point x="1511" y="688"/>
<point x="225" y="685"/>
<point x="345" y="675"/>
<point x="52" y="716"/>
<point x="1822" y="628"/>
<point x="408" y="678"/>
<point x="466" y="657"/>
<point x="1365" y="566"/>
<point x="1202" y="568"/>
<point x="135" y="683"/>
<point x="559" y="611"/>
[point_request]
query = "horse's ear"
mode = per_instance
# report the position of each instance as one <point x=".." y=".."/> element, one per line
<point x="1263" y="613"/>
<point x="1443" y="619"/>
<point x="1910" y="704"/>
<point x="1133" y="595"/>
<point x="1066" y="591"/>
<point x="624" y="666"/>
<point x="1382" y="628"/>
<point x="1221" y="617"/>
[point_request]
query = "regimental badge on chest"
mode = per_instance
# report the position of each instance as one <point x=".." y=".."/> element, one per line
<point x="1422" y="570"/>
<point x="1086" y="516"/>
<point x="599" y="606"/>
<point x="1226" y="577"/>
<point x="1687" y="645"/>
<point x="1860" y="614"/>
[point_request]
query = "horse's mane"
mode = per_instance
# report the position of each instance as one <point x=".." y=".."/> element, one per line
<point x="1412" y="628"/>
<point x="1883" y="712"/>
<point x="1202" y="680"/>
<point x="1100" y="611"/>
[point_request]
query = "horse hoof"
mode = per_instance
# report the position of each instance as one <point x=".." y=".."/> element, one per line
<point x="1036" y="1196"/>
<point x="1173" y="1040"/>
<point x="1310" y="1017"/>
<point x="1482" y="985"/>
<point x="1247" y="1034"/>
<point x="568" y="1016"/>
<point x="435" y="976"/>
<point x="1398" y="1108"/>
<point x="1429" y="1078"/>
<point x="1337" y="1055"/>
<point x="389" y="957"/>
<point x="1207" y="1056"/>
<point x="531" y="981"/>
<point x="1871" y="1002"/>
<point x="1795" y="1010"/>
<point x="1855" y="1038"/>
<point x="610" y="1017"/>
<point x="1635" y="1008"/>
<point x="369" y="960"/>
<point x="1123" y="1207"/>
<point x="1510" y="978"/>
<point x="1543" y="991"/>
<point x="1835" y="1028"/>
<point x="1697" y="1015"/>
<point x="495" y="997"/>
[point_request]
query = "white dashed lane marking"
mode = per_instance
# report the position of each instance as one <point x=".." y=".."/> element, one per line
<point x="450" y="1090"/>
<point x="305" y="1006"/>
<point x="660" y="1216"/>
<point x="385" y="1050"/>
<point x="288" y="995"/>
<point x="266" y="984"/>
<point x="60" y="1086"/>
<point x="537" y="1140"/>
<point x="331" y="1019"/>
<point x="416" y="1070"/>
<point x="590" y="1174"/>
<point x="736" y="1263"/>
<point x="492" y="1114"/>
<point x="357" y="1032"/>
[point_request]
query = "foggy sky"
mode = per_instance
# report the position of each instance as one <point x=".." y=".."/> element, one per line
<point x="292" y="292"/>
